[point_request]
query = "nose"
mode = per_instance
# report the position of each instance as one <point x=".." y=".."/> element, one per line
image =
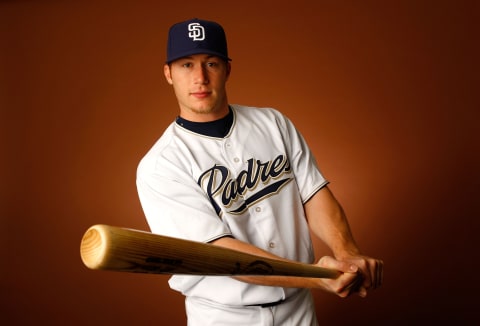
<point x="200" y="75"/>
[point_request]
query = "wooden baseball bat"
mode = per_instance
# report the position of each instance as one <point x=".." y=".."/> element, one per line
<point x="112" y="248"/>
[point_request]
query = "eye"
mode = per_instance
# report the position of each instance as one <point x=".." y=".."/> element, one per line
<point x="187" y="65"/>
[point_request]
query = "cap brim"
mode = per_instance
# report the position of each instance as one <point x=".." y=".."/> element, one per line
<point x="197" y="51"/>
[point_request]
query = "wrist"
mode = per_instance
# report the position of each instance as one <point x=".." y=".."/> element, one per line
<point x="346" y="252"/>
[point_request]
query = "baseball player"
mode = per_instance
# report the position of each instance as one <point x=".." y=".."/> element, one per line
<point x="243" y="178"/>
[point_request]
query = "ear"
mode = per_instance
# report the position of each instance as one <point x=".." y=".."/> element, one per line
<point x="229" y="69"/>
<point x="167" y="73"/>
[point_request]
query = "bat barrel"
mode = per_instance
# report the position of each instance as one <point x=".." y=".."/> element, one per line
<point x="119" y="249"/>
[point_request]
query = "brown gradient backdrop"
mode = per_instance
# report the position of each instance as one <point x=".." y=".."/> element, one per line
<point x="384" y="91"/>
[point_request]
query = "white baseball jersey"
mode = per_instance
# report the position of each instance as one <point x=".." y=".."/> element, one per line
<point x="250" y="184"/>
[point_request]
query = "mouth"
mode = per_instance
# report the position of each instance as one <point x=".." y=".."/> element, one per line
<point x="200" y="95"/>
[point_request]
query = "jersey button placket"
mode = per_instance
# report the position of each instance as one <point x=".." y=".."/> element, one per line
<point x="271" y="244"/>
<point x="228" y="149"/>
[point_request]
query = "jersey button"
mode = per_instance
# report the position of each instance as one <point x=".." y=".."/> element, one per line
<point x="271" y="245"/>
<point x="236" y="160"/>
<point x="258" y="209"/>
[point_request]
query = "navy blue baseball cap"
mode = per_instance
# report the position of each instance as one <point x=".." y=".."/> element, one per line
<point x="196" y="36"/>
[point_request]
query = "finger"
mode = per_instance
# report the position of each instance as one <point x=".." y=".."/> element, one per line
<point x="362" y="292"/>
<point x="380" y="273"/>
<point x="374" y="273"/>
<point x="356" y="287"/>
<point x="377" y="274"/>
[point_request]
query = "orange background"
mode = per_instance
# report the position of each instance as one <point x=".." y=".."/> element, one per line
<point x="386" y="93"/>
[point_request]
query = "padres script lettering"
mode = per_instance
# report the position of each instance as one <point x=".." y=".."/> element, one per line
<point x="218" y="181"/>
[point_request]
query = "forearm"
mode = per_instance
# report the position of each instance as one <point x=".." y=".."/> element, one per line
<point x="328" y="222"/>
<point x="343" y="285"/>
<point x="282" y="281"/>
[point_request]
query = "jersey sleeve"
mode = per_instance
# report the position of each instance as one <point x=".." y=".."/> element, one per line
<point x="308" y="176"/>
<point x="174" y="205"/>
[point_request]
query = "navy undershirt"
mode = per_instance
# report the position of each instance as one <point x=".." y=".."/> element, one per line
<point x="218" y="128"/>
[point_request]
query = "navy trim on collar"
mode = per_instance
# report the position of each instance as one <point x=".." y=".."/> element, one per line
<point x="218" y="128"/>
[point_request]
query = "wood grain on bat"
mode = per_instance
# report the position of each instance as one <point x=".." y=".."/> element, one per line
<point x="119" y="249"/>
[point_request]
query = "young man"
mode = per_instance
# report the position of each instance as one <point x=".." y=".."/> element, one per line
<point x="242" y="178"/>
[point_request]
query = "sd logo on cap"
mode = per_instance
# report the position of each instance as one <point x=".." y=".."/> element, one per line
<point x="196" y="36"/>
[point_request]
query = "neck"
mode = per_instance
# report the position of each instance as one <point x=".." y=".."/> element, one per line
<point x="204" y="116"/>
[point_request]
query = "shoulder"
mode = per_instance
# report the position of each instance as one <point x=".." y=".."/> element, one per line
<point x="258" y="113"/>
<point x="157" y="151"/>
<point x="254" y="110"/>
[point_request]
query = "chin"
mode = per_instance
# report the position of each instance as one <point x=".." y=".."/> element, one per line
<point x="203" y="110"/>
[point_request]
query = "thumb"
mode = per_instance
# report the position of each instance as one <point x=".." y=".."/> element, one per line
<point x="342" y="266"/>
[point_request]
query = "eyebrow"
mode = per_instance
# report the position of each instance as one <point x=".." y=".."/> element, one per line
<point x="209" y="56"/>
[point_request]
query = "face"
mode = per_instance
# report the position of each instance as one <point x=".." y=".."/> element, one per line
<point x="199" y="84"/>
